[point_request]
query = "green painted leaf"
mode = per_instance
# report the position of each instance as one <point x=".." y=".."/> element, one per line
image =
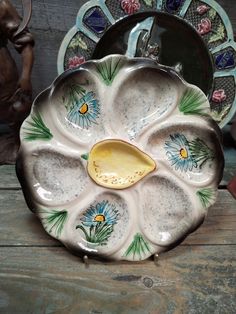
<point x="200" y="152"/>
<point x="108" y="69"/>
<point x="148" y="3"/>
<point x="97" y="234"/>
<point x="212" y="14"/>
<point x="138" y="247"/>
<point x="78" y="42"/>
<point x="53" y="220"/>
<point x="193" y="102"/>
<point x="219" y="35"/>
<point x="218" y="116"/>
<point x="85" y="156"/>
<point x="36" y="129"/>
<point x="207" y="196"/>
<point x="71" y="93"/>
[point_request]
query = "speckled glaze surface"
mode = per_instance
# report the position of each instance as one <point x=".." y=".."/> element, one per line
<point x="119" y="159"/>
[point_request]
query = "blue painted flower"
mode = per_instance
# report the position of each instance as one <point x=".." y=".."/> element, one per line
<point x="179" y="154"/>
<point x="100" y="213"/>
<point x="85" y="111"/>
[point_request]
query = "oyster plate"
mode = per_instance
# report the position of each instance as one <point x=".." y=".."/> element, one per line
<point x="102" y="28"/>
<point x="119" y="159"/>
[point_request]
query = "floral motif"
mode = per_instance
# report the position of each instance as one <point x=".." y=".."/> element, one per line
<point x="219" y="96"/>
<point x="75" y="61"/>
<point x="85" y="110"/>
<point x="130" y="6"/>
<point x="178" y="153"/>
<point x="101" y="212"/>
<point x="91" y="113"/>
<point x="204" y="27"/>
<point x="201" y="9"/>
<point x="186" y="155"/>
<point x="98" y="221"/>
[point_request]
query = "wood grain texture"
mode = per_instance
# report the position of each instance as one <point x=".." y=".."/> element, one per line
<point x="38" y="275"/>
<point x="230" y="165"/>
<point x="8" y="178"/>
<point x="21" y="227"/>
<point x="188" y="280"/>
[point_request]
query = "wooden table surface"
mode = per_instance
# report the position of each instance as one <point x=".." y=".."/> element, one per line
<point x="38" y="275"/>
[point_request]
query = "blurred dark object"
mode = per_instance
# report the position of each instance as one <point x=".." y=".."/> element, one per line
<point x="232" y="187"/>
<point x="233" y="130"/>
<point x="232" y="184"/>
<point x="15" y="89"/>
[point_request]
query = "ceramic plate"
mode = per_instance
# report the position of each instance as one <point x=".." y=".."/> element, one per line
<point x="119" y="159"/>
<point x="107" y="27"/>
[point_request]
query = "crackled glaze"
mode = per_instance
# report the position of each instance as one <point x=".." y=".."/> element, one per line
<point x="119" y="159"/>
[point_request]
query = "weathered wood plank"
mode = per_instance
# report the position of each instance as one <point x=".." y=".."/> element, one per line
<point x="18" y="226"/>
<point x="230" y="165"/>
<point x="8" y="177"/>
<point x="219" y="225"/>
<point x="50" y="280"/>
<point x="230" y="156"/>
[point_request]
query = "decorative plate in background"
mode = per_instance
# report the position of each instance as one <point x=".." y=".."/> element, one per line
<point x="106" y="27"/>
<point x="119" y="159"/>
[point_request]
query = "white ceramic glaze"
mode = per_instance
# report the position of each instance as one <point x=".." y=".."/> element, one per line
<point x="139" y="116"/>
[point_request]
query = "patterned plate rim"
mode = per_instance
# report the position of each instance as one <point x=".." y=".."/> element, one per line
<point x="219" y="52"/>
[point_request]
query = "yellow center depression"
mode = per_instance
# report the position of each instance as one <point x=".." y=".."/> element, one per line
<point x="83" y="109"/>
<point x="183" y="153"/>
<point x="117" y="164"/>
